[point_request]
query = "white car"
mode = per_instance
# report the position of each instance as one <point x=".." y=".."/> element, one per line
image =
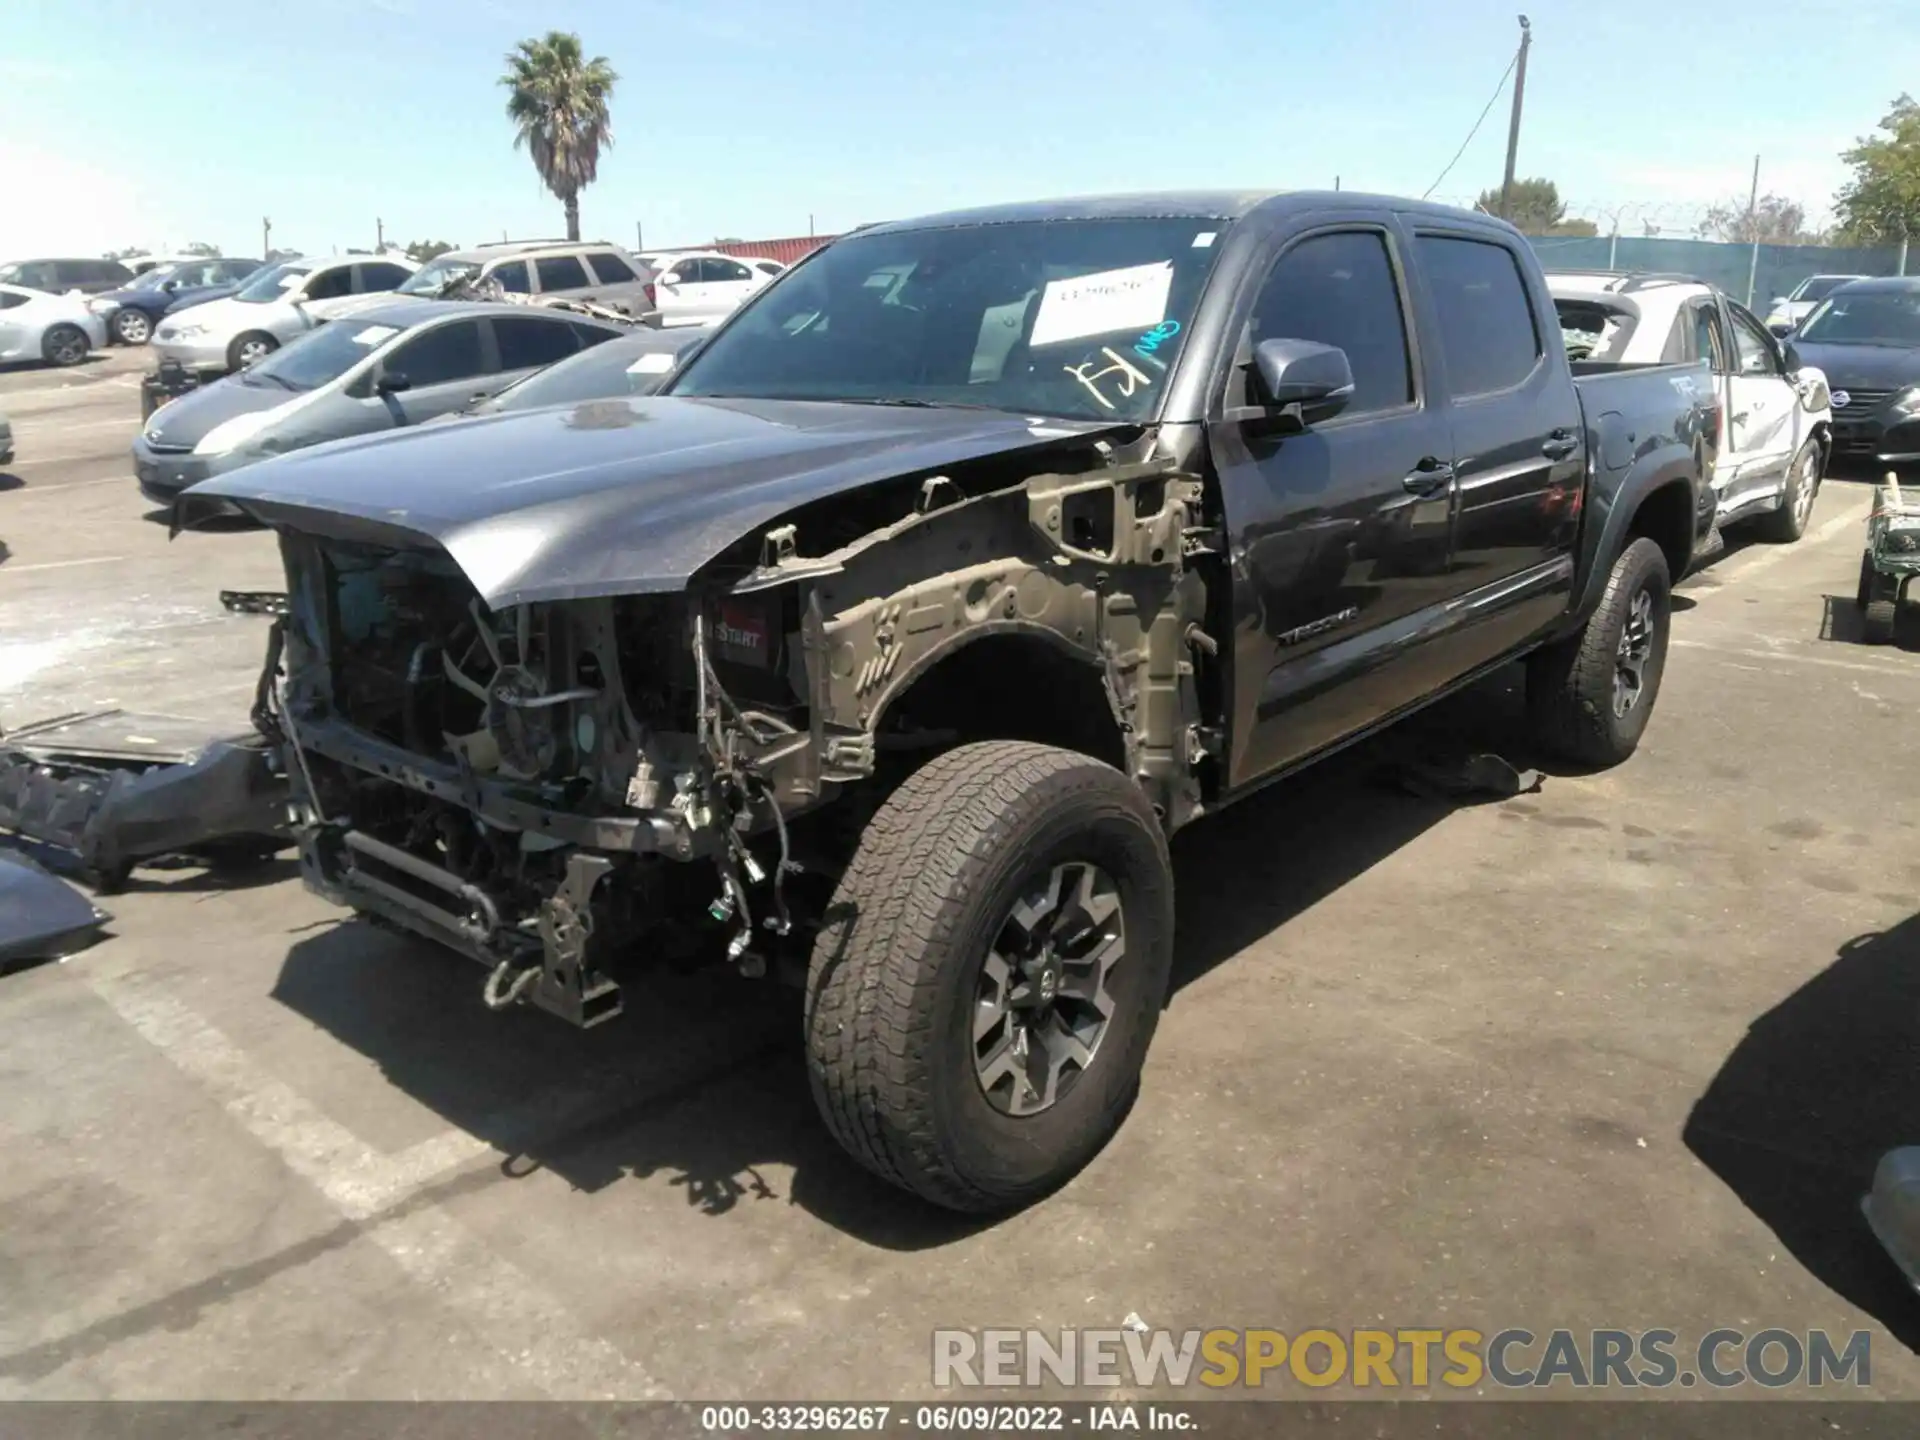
<point x="1787" y="311"/>
<point x="274" y="306"/>
<point x="58" y="329"/>
<point x="1777" y="426"/>
<point x="701" y="287"/>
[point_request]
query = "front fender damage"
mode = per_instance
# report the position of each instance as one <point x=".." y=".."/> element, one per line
<point x="1097" y="566"/>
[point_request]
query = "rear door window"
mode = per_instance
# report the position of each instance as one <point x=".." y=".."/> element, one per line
<point x="610" y="268"/>
<point x="512" y="275"/>
<point x="330" y="284"/>
<point x="527" y="343"/>
<point x="1488" y="333"/>
<point x="561" y="272"/>
<point x="376" y="277"/>
<point x="716" y="271"/>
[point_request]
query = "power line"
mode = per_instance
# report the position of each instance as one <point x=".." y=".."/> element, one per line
<point x="1476" y="126"/>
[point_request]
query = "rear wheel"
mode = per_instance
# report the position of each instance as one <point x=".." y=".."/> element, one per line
<point x="64" y="345"/>
<point x="990" y="974"/>
<point x="1789" y="522"/>
<point x="132" y="327"/>
<point x="250" y="348"/>
<point x="1592" y="693"/>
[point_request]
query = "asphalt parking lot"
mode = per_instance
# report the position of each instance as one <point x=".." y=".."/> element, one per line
<point x="1620" y="1053"/>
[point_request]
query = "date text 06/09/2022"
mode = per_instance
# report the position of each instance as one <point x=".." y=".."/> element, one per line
<point x="942" y="1419"/>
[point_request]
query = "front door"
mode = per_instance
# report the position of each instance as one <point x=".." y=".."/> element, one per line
<point x="1341" y="533"/>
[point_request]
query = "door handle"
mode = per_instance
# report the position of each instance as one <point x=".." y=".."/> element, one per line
<point x="1428" y="476"/>
<point x="1559" y="444"/>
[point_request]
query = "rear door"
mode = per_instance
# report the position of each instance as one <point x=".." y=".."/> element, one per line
<point x="1341" y="532"/>
<point x="616" y="282"/>
<point x="525" y="343"/>
<point x="1761" y="409"/>
<point x="562" y="275"/>
<point x="1518" y="443"/>
<point x="727" y="283"/>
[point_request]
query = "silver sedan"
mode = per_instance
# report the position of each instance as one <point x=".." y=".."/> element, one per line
<point x="58" y="329"/>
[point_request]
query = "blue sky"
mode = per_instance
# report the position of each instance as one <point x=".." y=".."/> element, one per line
<point x="744" y="117"/>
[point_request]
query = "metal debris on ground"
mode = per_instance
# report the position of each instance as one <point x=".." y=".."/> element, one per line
<point x="254" y="602"/>
<point x="41" y="916"/>
<point x="101" y="793"/>
<point x="1470" y="777"/>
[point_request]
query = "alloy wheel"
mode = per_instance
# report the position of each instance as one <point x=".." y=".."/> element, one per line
<point x="1635" y="650"/>
<point x="1042" y="1007"/>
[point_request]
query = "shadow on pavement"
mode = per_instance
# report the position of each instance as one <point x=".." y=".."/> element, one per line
<point x="1821" y="1086"/>
<point x="701" y="1082"/>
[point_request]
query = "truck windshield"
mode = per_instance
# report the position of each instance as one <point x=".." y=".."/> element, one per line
<point x="1870" y="317"/>
<point x="1082" y="319"/>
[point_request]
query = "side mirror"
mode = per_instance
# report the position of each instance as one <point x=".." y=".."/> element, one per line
<point x="1782" y="328"/>
<point x="668" y="279"/>
<point x="392" y="382"/>
<point x="1790" y="357"/>
<point x="1303" y="380"/>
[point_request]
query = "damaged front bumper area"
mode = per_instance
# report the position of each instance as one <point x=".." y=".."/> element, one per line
<point x="561" y="789"/>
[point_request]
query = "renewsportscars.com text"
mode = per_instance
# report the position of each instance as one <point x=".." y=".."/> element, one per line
<point x="1402" y="1358"/>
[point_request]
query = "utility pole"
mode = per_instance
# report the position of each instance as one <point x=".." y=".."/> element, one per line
<point x="639" y="240"/>
<point x="1513" y="125"/>
<point x="379" y="236"/>
<point x="1336" y="184"/>
<point x="266" y="237"/>
<point x="1753" y="231"/>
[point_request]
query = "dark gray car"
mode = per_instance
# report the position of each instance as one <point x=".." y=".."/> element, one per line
<point x="635" y="364"/>
<point x="393" y="365"/>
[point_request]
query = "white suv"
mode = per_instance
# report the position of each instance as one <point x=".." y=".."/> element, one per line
<point x="589" y="270"/>
<point x="1778" y="420"/>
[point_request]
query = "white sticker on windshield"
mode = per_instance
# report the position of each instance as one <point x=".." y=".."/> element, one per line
<point x="656" y="363"/>
<point x="1204" y="239"/>
<point x="376" y="335"/>
<point x="1131" y="299"/>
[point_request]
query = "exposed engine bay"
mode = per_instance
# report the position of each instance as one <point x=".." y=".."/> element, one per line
<point x="559" y="788"/>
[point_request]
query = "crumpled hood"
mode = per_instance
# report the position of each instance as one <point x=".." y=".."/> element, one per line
<point x="1862" y="367"/>
<point x="186" y="420"/>
<point x="610" y="496"/>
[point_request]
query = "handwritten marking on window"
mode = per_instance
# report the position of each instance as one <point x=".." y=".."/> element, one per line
<point x="1130" y="381"/>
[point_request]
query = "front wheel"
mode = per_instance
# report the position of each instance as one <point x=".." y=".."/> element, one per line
<point x="64" y="345"/>
<point x="1592" y="693"/>
<point x="250" y="349"/>
<point x="132" y="327"/>
<point x="990" y="973"/>
<point x="1789" y="522"/>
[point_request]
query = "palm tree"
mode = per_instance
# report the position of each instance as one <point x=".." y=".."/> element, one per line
<point x="558" y="100"/>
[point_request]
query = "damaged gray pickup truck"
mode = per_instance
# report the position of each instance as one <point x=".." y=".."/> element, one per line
<point x="887" y="644"/>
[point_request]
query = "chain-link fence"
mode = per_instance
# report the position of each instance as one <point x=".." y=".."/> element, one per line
<point x="1768" y="271"/>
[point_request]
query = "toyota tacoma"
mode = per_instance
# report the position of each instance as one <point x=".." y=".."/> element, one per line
<point x="887" y="645"/>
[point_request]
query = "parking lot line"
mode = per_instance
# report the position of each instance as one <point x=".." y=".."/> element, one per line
<point x="533" y="1333"/>
<point x="1750" y="653"/>
<point x="59" y="564"/>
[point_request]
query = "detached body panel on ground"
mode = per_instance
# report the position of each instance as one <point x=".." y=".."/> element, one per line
<point x="948" y="577"/>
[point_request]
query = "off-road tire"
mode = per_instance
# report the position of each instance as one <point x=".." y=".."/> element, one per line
<point x="891" y="987"/>
<point x="1570" y="684"/>
<point x="1789" y="522"/>
<point x="1869" y="585"/>
<point x="241" y="342"/>
<point x="64" y="345"/>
